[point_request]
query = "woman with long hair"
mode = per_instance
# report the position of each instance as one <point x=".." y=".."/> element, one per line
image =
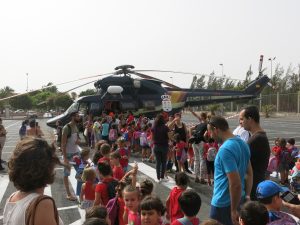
<point x="160" y="139"/>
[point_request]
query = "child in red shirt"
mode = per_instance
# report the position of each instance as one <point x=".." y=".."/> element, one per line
<point x="190" y="203"/>
<point x="102" y="192"/>
<point x="87" y="194"/>
<point x="173" y="210"/>
<point x="117" y="169"/>
<point x="124" y="154"/>
<point x="105" y="152"/>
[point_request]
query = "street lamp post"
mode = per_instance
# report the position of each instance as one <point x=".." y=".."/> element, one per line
<point x="221" y="64"/>
<point x="271" y="60"/>
<point x="172" y="79"/>
<point x="27" y="82"/>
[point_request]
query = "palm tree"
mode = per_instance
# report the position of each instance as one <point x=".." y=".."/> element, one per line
<point x="6" y="91"/>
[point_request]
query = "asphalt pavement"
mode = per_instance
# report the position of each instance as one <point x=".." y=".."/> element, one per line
<point x="69" y="211"/>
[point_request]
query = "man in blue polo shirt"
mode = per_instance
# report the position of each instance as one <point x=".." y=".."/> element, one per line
<point x="232" y="167"/>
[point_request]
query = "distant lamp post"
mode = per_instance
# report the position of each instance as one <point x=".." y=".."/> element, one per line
<point x="221" y="64"/>
<point x="271" y="60"/>
<point x="27" y="82"/>
<point x="171" y="79"/>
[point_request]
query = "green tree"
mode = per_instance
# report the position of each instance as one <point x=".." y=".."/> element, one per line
<point x="87" y="92"/>
<point x="39" y="100"/>
<point x="5" y="92"/>
<point x="248" y="77"/>
<point x="52" y="89"/>
<point x="198" y="82"/>
<point x="21" y="102"/>
<point x="63" y="100"/>
<point x="229" y="84"/>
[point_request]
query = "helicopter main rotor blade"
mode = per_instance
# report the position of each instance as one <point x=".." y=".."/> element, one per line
<point x="153" y="78"/>
<point x="79" y="86"/>
<point x="187" y="73"/>
<point x="67" y="82"/>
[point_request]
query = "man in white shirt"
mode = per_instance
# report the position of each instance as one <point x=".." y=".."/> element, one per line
<point x="241" y="132"/>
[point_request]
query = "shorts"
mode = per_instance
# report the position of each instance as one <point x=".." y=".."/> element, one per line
<point x="221" y="214"/>
<point x="210" y="167"/>
<point x="70" y="156"/>
<point x="145" y="146"/>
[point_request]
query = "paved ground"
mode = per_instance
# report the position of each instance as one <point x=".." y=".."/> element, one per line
<point x="69" y="212"/>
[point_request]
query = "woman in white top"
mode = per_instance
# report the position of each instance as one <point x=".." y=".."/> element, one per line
<point x="31" y="169"/>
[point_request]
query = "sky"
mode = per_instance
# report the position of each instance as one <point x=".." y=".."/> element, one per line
<point x="62" y="40"/>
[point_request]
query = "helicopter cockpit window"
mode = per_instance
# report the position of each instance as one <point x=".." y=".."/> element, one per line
<point x="83" y="108"/>
<point x="95" y="106"/>
<point x="72" y="108"/>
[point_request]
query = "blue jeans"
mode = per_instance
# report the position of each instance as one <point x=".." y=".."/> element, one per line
<point x="161" y="153"/>
<point x="221" y="214"/>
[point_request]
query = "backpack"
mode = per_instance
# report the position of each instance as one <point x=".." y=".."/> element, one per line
<point x="112" y="136"/>
<point x="113" y="210"/>
<point x="273" y="164"/>
<point x="285" y="157"/>
<point x="285" y="219"/>
<point x="125" y="136"/>
<point x="200" y="131"/>
<point x="69" y="132"/>
<point x="185" y="221"/>
<point x="22" y="130"/>
<point x="111" y="188"/>
<point x="143" y="139"/>
<point x="211" y="154"/>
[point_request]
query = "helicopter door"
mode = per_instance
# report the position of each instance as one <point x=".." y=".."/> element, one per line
<point x="112" y="106"/>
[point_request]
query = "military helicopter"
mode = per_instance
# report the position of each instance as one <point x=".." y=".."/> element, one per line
<point x="146" y="95"/>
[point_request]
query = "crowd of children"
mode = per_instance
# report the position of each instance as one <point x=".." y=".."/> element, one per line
<point x="111" y="194"/>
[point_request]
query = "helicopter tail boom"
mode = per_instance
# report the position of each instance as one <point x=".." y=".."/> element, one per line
<point x="204" y="96"/>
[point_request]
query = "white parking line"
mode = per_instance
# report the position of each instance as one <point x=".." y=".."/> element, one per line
<point x="12" y="124"/>
<point x="151" y="172"/>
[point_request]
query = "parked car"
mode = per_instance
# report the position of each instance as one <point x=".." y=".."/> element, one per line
<point x="47" y="115"/>
<point x="31" y="114"/>
<point x="19" y="111"/>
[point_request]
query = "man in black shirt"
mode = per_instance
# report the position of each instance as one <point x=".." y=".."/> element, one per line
<point x="258" y="143"/>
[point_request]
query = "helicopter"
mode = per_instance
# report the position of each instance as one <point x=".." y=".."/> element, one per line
<point x="148" y="96"/>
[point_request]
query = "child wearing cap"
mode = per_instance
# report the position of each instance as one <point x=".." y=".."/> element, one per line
<point x="268" y="193"/>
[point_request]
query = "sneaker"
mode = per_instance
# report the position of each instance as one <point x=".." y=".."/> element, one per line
<point x="157" y="180"/>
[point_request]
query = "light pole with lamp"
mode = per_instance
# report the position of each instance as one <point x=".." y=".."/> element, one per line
<point x="271" y="60"/>
<point x="27" y="82"/>
<point x="277" y="103"/>
<point x="172" y="79"/>
<point x="221" y="64"/>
